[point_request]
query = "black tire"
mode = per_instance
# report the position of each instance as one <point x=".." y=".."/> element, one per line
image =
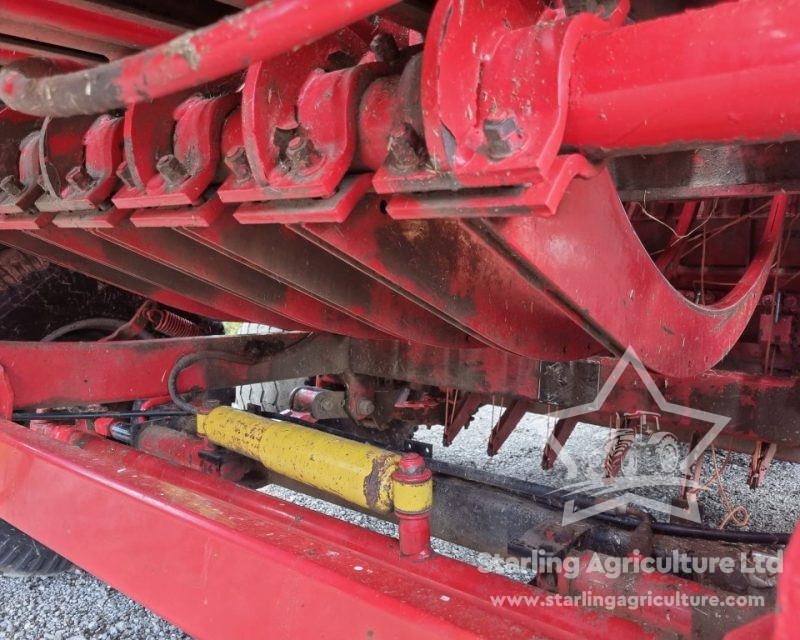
<point x="272" y="396"/>
<point x="36" y="298"/>
<point x="669" y="454"/>
<point x="21" y="555"/>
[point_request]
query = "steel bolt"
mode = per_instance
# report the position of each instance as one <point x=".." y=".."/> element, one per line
<point x="301" y="154"/>
<point x="79" y="179"/>
<point x="406" y="148"/>
<point x="236" y="161"/>
<point x="411" y="463"/>
<point x="502" y="137"/>
<point x="12" y="186"/>
<point x="365" y="406"/>
<point x="171" y="169"/>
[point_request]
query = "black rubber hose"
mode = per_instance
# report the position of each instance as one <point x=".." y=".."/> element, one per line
<point x="98" y="324"/>
<point x="188" y="360"/>
<point x="25" y="416"/>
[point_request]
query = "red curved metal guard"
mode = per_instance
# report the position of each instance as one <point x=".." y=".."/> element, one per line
<point x="590" y="259"/>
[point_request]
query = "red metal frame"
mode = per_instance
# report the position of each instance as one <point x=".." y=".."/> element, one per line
<point x="494" y="245"/>
<point x="104" y="372"/>
<point x="760" y="408"/>
<point x="91" y="23"/>
<point x="219" y="546"/>
<point x="471" y="258"/>
<point x="210" y="535"/>
<point x="603" y="102"/>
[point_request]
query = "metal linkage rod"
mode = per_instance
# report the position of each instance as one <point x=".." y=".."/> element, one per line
<point x="263" y="31"/>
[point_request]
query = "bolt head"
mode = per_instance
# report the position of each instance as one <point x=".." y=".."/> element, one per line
<point x="503" y="137"/>
<point x="385" y="48"/>
<point x="171" y="169"/>
<point x="407" y="149"/>
<point x="301" y="154"/>
<point x="411" y="462"/>
<point x="365" y="407"/>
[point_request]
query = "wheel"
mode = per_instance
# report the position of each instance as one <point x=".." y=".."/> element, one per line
<point x="594" y="464"/>
<point x="21" y="555"/>
<point x="620" y="453"/>
<point x="37" y="298"/>
<point x="630" y="463"/>
<point x="268" y="396"/>
<point x="669" y="454"/>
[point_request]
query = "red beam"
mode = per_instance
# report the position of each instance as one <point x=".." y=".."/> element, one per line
<point x="760" y="407"/>
<point x="98" y="372"/>
<point x="332" y="281"/>
<point x="441" y="266"/>
<point x="172" y="250"/>
<point x="43" y="37"/>
<point x="82" y="243"/>
<point x="227" y="562"/>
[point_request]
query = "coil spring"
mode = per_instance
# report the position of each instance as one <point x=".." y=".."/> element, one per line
<point x="172" y="325"/>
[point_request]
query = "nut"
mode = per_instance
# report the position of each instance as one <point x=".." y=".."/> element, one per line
<point x="385" y="48"/>
<point x="301" y="154"/>
<point x="406" y="148"/>
<point x="365" y="406"/>
<point x="171" y="169"/>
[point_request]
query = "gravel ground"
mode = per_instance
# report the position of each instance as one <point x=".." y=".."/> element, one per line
<point x="76" y="606"/>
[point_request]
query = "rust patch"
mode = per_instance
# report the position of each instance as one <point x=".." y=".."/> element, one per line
<point x="372" y="484"/>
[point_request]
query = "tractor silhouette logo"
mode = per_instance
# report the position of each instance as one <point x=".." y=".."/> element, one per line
<point x="636" y="439"/>
<point x="637" y="453"/>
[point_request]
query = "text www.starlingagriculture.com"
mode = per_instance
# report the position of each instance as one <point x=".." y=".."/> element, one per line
<point x="632" y="602"/>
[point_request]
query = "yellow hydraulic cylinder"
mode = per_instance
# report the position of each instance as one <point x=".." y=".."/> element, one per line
<point x="356" y="472"/>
